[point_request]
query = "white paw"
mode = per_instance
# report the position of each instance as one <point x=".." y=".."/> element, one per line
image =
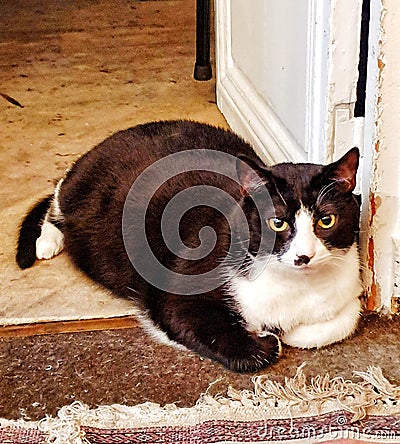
<point x="304" y="336"/>
<point x="50" y="242"/>
<point x="325" y="332"/>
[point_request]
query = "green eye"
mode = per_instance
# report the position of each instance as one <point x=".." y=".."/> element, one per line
<point x="327" y="221"/>
<point x="278" y="224"/>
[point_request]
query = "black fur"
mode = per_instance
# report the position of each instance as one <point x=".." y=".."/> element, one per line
<point x="29" y="232"/>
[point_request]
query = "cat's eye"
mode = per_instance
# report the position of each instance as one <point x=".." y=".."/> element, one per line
<point x="326" y="222"/>
<point x="277" y="224"/>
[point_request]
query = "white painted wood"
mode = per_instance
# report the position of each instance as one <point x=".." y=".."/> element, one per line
<point x="247" y="112"/>
<point x="382" y="180"/>
<point x="277" y="80"/>
<point x="380" y="220"/>
<point x="370" y="139"/>
<point x="317" y="85"/>
<point x="343" y="130"/>
<point x="279" y="64"/>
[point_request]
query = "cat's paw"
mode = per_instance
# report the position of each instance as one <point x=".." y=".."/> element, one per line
<point x="50" y="243"/>
<point x="326" y="332"/>
<point x="315" y="335"/>
<point x="258" y="353"/>
<point x="303" y="336"/>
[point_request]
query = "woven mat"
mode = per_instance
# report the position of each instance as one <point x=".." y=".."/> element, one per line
<point x="321" y="410"/>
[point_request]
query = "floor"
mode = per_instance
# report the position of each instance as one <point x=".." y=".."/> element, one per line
<point x="83" y="69"/>
<point x="40" y="374"/>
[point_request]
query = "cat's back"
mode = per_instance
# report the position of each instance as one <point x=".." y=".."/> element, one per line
<point x="142" y="145"/>
<point x="121" y="158"/>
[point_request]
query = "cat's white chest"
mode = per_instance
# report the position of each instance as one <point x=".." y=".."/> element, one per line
<point x="288" y="299"/>
<point x="279" y="301"/>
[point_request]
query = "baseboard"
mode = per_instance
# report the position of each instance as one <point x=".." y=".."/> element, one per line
<point x="45" y="328"/>
<point x="252" y="118"/>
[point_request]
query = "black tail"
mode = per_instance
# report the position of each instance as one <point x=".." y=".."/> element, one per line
<point x="29" y="232"/>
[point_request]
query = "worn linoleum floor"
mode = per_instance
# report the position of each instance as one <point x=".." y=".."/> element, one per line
<point x="83" y="70"/>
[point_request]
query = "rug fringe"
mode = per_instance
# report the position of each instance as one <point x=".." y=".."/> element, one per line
<point x="372" y="394"/>
<point x="374" y="391"/>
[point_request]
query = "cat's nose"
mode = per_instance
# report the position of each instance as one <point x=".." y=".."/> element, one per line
<point x="302" y="260"/>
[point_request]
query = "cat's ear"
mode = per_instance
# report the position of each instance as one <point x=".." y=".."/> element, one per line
<point x="252" y="174"/>
<point x="344" y="170"/>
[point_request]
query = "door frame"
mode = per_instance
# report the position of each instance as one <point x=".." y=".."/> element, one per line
<point x="380" y="219"/>
<point x="332" y="61"/>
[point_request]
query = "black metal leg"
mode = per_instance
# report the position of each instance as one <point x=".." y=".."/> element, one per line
<point x="202" y="68"/>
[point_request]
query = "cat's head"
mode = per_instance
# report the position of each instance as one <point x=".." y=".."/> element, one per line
<point x="314" y="216"/>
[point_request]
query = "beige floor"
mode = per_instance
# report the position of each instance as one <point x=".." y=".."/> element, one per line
<point x="82" y="70"/>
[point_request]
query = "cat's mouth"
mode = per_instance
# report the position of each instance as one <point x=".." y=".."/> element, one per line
<point x="311" y="268"/>
<point x="303" y="268"/>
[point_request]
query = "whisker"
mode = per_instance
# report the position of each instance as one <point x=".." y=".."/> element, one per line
<point x="280" y="195"/>
<point x="324" y="191"/>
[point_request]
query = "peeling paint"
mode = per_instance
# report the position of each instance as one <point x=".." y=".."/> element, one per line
<point x="372" y="289"/>
<point x="381" y="64"/>
<point x="372" y="204"/>
<point x="372" y="300"/>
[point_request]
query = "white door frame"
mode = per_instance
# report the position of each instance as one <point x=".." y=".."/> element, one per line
<point x="380" y="222"/>
<point x="332" y="62"/>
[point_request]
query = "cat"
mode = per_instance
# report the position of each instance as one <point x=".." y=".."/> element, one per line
<point x="249" y="257"/>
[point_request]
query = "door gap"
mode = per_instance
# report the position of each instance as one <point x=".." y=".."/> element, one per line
<point x="359" y="108"/>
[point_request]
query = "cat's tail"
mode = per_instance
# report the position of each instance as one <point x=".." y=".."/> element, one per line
<point x="30" y="230"/>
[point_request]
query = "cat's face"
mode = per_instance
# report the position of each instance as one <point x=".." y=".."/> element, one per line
<point x="315" y="216"/>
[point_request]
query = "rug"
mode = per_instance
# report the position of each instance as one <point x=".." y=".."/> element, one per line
<point x="366" y="410"/>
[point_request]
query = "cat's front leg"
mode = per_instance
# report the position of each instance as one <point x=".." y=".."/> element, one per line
<point x="211" y="329"/>
<point x="326" y="332"/>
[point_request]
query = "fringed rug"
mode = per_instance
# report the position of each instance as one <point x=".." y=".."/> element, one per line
<point x="321" y="410"/>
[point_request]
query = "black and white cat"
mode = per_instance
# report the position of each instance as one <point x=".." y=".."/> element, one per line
<point x="282" y="261"/>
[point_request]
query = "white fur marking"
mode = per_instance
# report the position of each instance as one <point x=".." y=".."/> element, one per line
<point x="304" y="243"/>
<point x="160" y="336"/>
<point x="327" y="331"/>
<point x="50" y="242"/>
<point x="314" y="305"/>
<point x="263" y="334"/>
<point x="55" y="203"/>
